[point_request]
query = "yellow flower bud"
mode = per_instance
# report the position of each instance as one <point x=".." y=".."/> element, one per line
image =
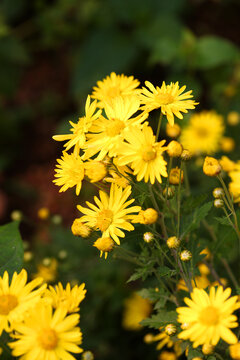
<point x="227" y="144"/>
<point x="170" y="329"/>
<point x="204" y="270"/>
<point x="186" y="155"/>
<point x="80" y="229"/>
<point x="105" y="244"/>
<point x="174" y="149"/>
<point x="235" y="351"/>
<point x="211" y="166"/>
<point x="218" y="193"/>
<point x="173" y="242"/>
<point x="170" y="192"/>
<point x="174" y="177"/>
<point x="233" y="118"/>
<point x="43" y="213"/>
<point x="207" y="349"/>
<point x="173" y="131"/>
<point x="148" y="237"/>
<point x="218" y="203"/>
<point x="150" y="216"/>
<point x="185" y="255"/>
<point x="95" y="170"/>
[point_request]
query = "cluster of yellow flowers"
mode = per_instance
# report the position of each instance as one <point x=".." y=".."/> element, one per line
<point x="42" y="323"/>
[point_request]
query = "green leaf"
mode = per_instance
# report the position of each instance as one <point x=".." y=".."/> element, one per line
<point x="192" y="222"/>
<point x="142" y="272"/>
<point x="11" y="248"/>
<point x="192" y="353"/>
<point x="162" y="318"/>
<point x="159" y="297"/>
<point x="212" y="51"/>
<point x="223" y="221"/>
<point x="211" y="357"/>
<point x="165" y="271"/>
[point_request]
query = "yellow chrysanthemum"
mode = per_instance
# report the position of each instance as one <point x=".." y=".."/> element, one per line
<point x="227" y="164"/>
<point x="106" y="133"/>
<point x="45" y="335"/>
<point x="209" y="316"/>
<point x="79" y="129"/>
<point x="111" y="213"/>
<point x="203" y="134"/>
<point x="136" y="309"/>
<point x="143" y="154"/>
<point x="234" y="185"/>
<point x="69" y="172"/>
<point x="201" y="282"/>
<point x="113" y="86"/>
<point x="119" y="174"/>
<point x="67" y="298"/>
<point x="170" y="98"/>
<point x="17" y="298"/>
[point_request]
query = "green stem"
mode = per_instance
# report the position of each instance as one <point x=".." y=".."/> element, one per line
<point x="167" y="185"/>
<point x="179" y="201"/>
<point x="159" y="125"/>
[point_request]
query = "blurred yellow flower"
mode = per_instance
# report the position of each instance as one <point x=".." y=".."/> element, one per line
<point x="234" y="185"/>
<point x="227" y="144"/>
<point x="233" y="118"/>
<point x="235" y="351"/>
<point x="95" y="170"/>
<point x="227" y="164"/>
<point x="47" y="270"/>
<point x="173" y="131"/>
<point x="80" y="229"/>
<point x="136" y="309"/>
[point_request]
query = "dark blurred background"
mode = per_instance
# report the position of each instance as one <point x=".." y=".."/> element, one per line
<point x="51" y="55"/>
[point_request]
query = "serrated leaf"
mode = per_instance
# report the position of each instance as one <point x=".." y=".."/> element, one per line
<point x="142" y="273"/>
<point x="192" y="353"/>
<point x="164" y="271"/>
<point x="223" y="220"/>
<point x="11" y="248"/>
<point x="194" y="220"/>
<point x="162" y="318"/>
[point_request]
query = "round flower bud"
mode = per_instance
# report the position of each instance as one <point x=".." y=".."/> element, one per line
<point x="170" y="329"/>
<point x="43" y="213"/>
<point x="207" y="349"/>
<point x="87" y="355"/>
<point x="95" y="170"/>
<point x="186" y="155"/>
<point x="16" y="215"/>
<point x="173" y="242"/>
<point x="218" y="203"/>
<point x="227" y="144"/>
<point x="185" y="255"/>
<point x="104" y="244"/>
<point x="173" y="131"/>
<point x="170" y="192"/>
<point x="28" y="255"/>
<point x="218" y="193"/>
<point x="80" y="229"/>
<point x="167" y="355"/>
<point x="233" y="118"/>
<point x="211" y="166"/>
<point x="235" y="351"/>
<point x="150" y="216"/>
<point x="148" y="237"/>
<point x="204" y="270"/>
<point x="174" y="177"/>
<point x="174" y="149"/>
<point x="148" y="338"/>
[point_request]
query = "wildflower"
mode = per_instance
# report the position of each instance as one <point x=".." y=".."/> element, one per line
<point x="185" y="255"/>
<point x="235" y="351"/>
<point x="68" y="299"/>
<point x="113" y="86"/>
<point x="201" y="282"/>
<point x="17" y="297"/>
<point x="170" y="329"/>
<point x="69" y="172"/>
<point x="78" y="137"/>
<point x="143" y="154"/>
<point x="47" y="270"/>
<point x="111" y="213"/>
<point x="234" y="185"/>
<point x="207" y="349"/>
<point x="174" y="149"/>
<point x="170" y="98"/>
<point x="204" y="270"/>
<point x="104" y="245"/>
<point x="46" y="335"/>
<point x="209" y="316"/>
<point x="186" y="155"/>
<point x="227" y="164"/>
<point x="218" y="203"/>
<point x="173" y="242"/>
<point x="174" y="177"/>
<point x="135" y="310"/>
<point x="227" y="144"/>
<point x="43" y="213"/>
<point x="167" y="355"/>
<point x="233" y="118"/>
<point x="148" y="237"/>
<point x="203" y="134"/>
<point x="95" y="170"/>
<point x="211" y="166"/>
<point x="80" y="229"/>
<point x="106" y="133"/>
<point x="218" y="193"/>
<point x="173" y="131"/>
<point x="147" y="217"/>
<point x="120" y="174"/>
<point x="169" y="192"/>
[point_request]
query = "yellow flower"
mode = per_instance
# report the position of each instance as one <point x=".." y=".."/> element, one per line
<point x="233" y="118"/>
<point x="148" y="237"/>
<point x="104" y="245"/>
<point x="80" y="229"/>
<point x="227" y="144"/>
<point x="207" y="349"/>
<point x="136" y="309"/>
<point x="235" y="351"/>
<point x="47" y="270"/>
<point x="17" y="298"/>
<point x="147" y="217"/>
<point x="43" y="213"/>
<point x="173" y="131"/>
<point x="113" y="86"/>
<point x="69" y="172"/>
<point x="68" y="299"/>
<point x="185" y="255"/>
<point x="174" y="177"/>
<point x="173" y="242"/>
<point x="203" y="134"/>
<point x="79" y="129"/>
<point x="45" y="335"/>
<point x="174" y="149"/>
<point x="170" y="329"/>
<point x="111" y="213"/>
<point x="201" y="282"/>
<point x="211" y="166"/>
<point x="95" y="170"/>
<point x="106" y="133"/>
<point x="143" y="154"/>
<point x="170" y="98"/>
<point x="227" y="164"/>
<point x="234" y="185"/>
<point x="209" y="316"/>
<point x="120" y="174"/>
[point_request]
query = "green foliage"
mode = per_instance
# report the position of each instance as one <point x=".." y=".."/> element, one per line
<point x="192" y="222"/>
<point x="192" y="353"/>
<point x="11" y="248"/>
<point x="162" y="318"/>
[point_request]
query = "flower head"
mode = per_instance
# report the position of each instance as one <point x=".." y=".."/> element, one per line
<point x="147" y="217"/>
<point x="209" y="316"/>
<point x="173" y="242"/>
<point x="80" y="229"/>
<point x="173" y="131"/>
<point x="104" y="245"/>
<point x="95" y="170"/>
<point x="135" y="310"/>
<point x="174" y="177"/>
<point x="234" y="185"/>
<point x="170" y="98"/>
<point x="235" y="351"/>
<point x="211" y="166"/>
<point x="174" y="149"/>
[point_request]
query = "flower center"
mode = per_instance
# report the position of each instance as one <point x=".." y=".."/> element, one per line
<point x="209" y="316"/>
<point x="7" y="303"/>
<point x="115" y="128"/>
<point x="104" y="219"/>
<point x="48" y="339"/>
<point x="201" y="132"/>
<point x="149" y="154"/>
<point x="113" y="91"/>
<point x="165" y="99"/>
